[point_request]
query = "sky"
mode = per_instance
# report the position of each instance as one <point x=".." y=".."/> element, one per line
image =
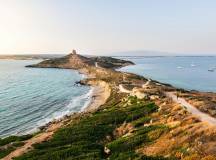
<point x="107" y="26"/>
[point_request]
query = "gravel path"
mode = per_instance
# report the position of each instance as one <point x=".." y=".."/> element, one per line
<point x="202" y="116"/>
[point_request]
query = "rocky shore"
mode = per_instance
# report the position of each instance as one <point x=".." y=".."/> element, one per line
<point x="130" y="117"/>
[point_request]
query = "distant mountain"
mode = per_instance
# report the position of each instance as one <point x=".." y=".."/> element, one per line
<point x="31" y="56"/>
<point x="150" y="53"/>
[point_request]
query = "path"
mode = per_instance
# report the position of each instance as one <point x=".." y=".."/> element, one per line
<point x="36" y="139"/>
<point x="146" y="84"/>
<point x="124" y="90"/>
<point x="96" y="64"/>
<point x="202" y="116"/>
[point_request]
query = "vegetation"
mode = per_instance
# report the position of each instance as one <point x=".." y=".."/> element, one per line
<point x="9" y="144"/>
<point x="87" y="137"/>
<point x="109" y="62"/>
<point x="6" y="151"/>
<point x="14" y="139"/>
<point x="120" y="130"/>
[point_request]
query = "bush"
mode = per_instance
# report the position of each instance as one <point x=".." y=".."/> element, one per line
<point x="141" y="121"/>
<point x="86" y="138"/>
<point x="4" y="152"/>
<point x="10" y="139"/>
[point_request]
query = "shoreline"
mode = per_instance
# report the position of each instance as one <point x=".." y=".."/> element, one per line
<point x="97" y="98"/>
<point x="107" y="85"/>
<point x="100" y="93"/>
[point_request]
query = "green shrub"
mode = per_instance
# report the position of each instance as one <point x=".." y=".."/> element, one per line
<point x="141" y="121"/>
<point x="86" y="138"/>
<point x="10" y="139"/>
<point x="4" y="152"/>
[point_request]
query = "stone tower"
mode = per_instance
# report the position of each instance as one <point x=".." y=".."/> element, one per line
<point x="74" y="51"/>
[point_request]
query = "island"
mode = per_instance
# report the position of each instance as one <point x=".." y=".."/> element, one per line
<point x="130" y="117"/>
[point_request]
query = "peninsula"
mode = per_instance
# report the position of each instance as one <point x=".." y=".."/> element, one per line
<point x="130" y="117"/>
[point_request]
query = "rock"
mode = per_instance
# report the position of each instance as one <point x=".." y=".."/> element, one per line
<point x="107" y="150"/>
<point x="139" y="94"/>
<point x="108" y="137"/>
<point x="170" y="119"/>
<point x="212" y="112"/>
<point x="81" y="82"/>
<point x="174" y="124"/>
<point x="124" y="129"/>
<point x="154" y="97"/>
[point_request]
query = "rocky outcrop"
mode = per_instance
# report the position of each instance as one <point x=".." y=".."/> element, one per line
<point x="76" y="61"/>
<point x="71" y="61"/>
<point x="109" y="62"/>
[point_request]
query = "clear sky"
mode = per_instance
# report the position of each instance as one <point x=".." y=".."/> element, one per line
<point x="103" y="26"/>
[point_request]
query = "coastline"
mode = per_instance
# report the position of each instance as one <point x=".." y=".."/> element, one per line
<point x="100" y="93"/>
<point x="170" y="124"/>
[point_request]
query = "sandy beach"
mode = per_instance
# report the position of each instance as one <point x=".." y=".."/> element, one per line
<point x="101" y="92"/>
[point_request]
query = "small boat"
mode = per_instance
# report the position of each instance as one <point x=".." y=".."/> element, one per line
<point x="179" y="67"/>
<point x="193" y="65"/>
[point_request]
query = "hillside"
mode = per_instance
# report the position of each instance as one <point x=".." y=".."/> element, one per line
<point x="76" y="61"/>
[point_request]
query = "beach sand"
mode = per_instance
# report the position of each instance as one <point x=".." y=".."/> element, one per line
<point x="101" y="93"/>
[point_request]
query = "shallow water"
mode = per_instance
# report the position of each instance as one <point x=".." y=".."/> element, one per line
<point x="184" y="72"/>
<point x="31" y="97"/>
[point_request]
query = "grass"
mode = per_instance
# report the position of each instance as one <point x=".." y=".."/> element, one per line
<point x="139" y="122"/>
<point x="4" y="152"/>
<point x="9" y="144"/>
<point x="14" y="139"/>
<point x="86" y="138"/>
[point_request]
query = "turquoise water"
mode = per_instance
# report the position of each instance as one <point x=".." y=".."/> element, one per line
<point x="31" y="97"/>
<point x="185" y="72"/>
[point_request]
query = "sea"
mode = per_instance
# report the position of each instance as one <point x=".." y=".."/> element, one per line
<point x="32" y="97"/>
<point x="189" y="72"/>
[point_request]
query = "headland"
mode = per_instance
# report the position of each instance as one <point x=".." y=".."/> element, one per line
<point x="130" y="117"/>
